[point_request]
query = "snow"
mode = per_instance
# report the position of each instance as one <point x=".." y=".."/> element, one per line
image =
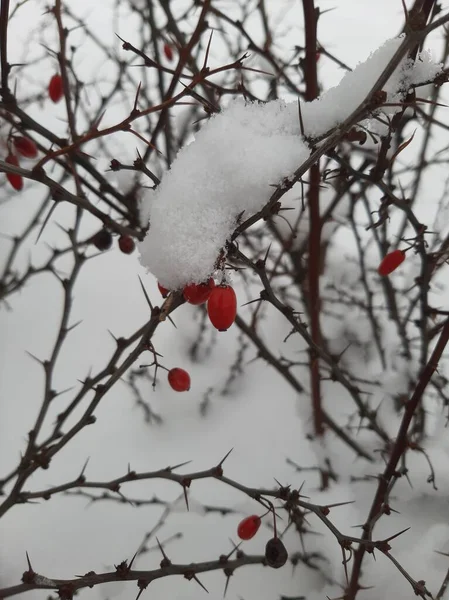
<point x="263" y="419"/>
<point x="230" y="169"/>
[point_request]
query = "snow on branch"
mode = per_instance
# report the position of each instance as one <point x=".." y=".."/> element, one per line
<point x="230" y="169"/>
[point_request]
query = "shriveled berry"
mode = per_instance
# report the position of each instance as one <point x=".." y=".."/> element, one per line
<point x="15" y="180"/>
<point x="390" y="262"/>
<point x="248" y="528"/>
<point x="168" y="52"/>
<point x="25" y="146"/>
<point x="222" y="307"/>
<point x="126" y="244"/>
<point x="56" y="88"/>
<point x="164" y="291"/>
<point x="102" y="240"/>
<point x="179" y="380"/>
<point x="198" y="293"/>
<point x="276" y="554"/>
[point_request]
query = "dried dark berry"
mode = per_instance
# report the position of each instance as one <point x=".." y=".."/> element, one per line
<point x="276" y="554"/>
<point x="102" y="239"/>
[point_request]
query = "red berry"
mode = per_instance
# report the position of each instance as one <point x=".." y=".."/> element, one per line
<point x="164" y="291"/>
<point x="198" y="293"/>
<point x="248" y="528"/>
<point x="222" y="307"/>
<point x="317" y="56"/>
<point x="126" y="244"/>
<point x="15" y="180"/>
<point x="25" y="146"/>
<point x="179" y="380"/>
<point x="168" y="52"/>
<point x="56" y="88"/>
<point x="102" y="240"/>
<point x="390" y="262"/>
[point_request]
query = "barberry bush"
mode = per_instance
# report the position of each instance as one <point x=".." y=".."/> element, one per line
<point x="244" y="201"/>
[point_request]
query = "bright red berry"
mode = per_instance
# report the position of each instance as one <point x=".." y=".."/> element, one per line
<point x="102" y="240"/>
<point x="126" y="244"/>
<point x="248" y="528"/>
<point x="222" y="307"/>
<point x="15" y="180"/>
<point x="179" y="380"/>
<point x="168" y="52"/>
<point x="390" y="262"/>
<point x="56" y="88"/>
<point x="25" y="146"/>
<point x="164" y="291"/>
<point x="198" y="293"/>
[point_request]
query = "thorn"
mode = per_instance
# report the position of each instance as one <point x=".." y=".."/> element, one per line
<point x="207" y="51"/>
<point x="29" y="563"/>
<point x="41" y="362"/>
<point x="166" y="562"/>
<point x="301" y="123"/>
<point x="132" y="560"/>
<point x="266" y="255"/>
<point x="84" y="468"/>
<point x="228" y="573"/>
<point x="72" y="327"/>
<point x="251" y="302"/>
<point x="135" y="109"/>
<point x="199" y="583"/>
<point x="339" y="504"/>
<point x="225" y="457"/>
<point x="234" y="549"/>
<point x="96" y="123"/>
<point x="142" y="585"/>
<point x="396" y="535"/>
<point x="125" y="499"/>
<point x="171" y="321"/>
<point x="112" y="335"/>
<point x="56" y="394"/>
<point x="186" y="498"/>
<point x="178" y="466"/>
<point x="145" y="294"/>
<point x="50" y="212"/>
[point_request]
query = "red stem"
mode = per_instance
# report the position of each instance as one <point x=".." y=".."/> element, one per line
<point x="311" y="80"/>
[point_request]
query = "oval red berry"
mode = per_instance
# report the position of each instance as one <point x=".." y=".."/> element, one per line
<point x="164" y="291"/>
<point x="168" y="52"/>
<point x="126" y="244"/>
<point x="222" y="307"/>
<point x="56" y="88"/>
<point x="248" y="528"/>
<point x="25" y="146"/>
<point x="198" y="293"/>
<point x="179" y="380"/>
<point x="15" y="180"/>
<point x="390" y="262"/>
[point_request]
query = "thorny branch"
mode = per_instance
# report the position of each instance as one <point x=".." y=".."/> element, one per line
<point x="339" y="161"/>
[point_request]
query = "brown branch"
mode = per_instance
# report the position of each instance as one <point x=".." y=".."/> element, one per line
<point x="388" y="478"/>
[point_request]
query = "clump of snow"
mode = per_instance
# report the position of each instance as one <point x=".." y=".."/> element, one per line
<point x="229" y="168"/>
<point x="238" y="156"/>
